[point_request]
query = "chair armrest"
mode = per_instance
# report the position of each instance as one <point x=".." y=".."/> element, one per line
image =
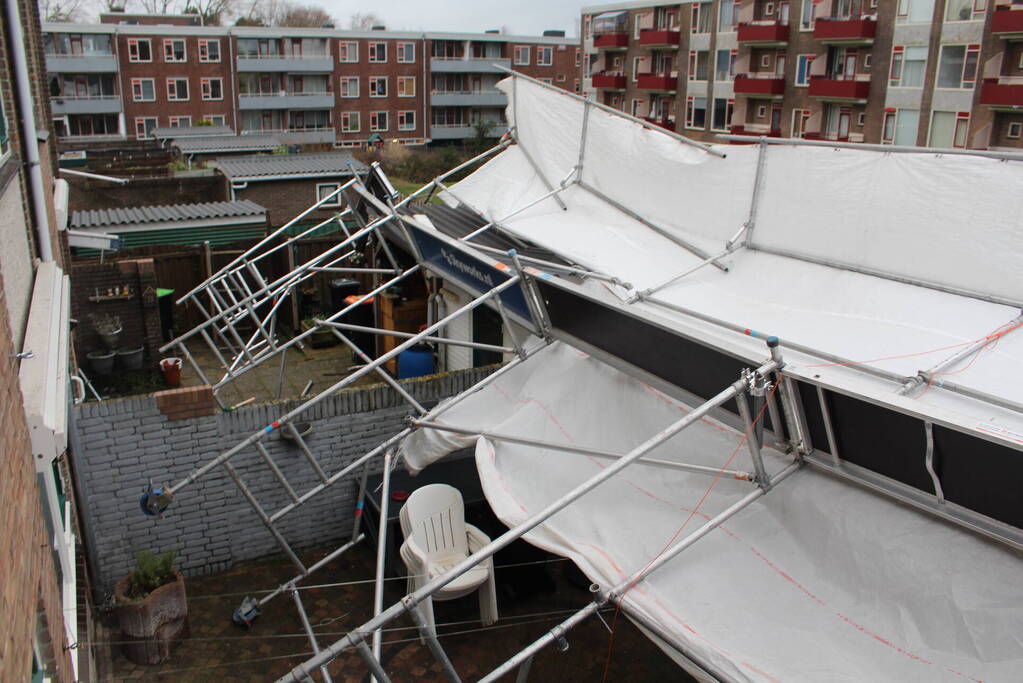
<point x="413" y="556"/>
<point x="475" y="538"/>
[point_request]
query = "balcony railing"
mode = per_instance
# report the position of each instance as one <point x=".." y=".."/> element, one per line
<point x="469" y="65"/>
<point x="659" y="38"/>
<point x="87" y="63"/>
<point x="764" y="33"/>
<point x="660" y="81"/>
<point x="762" y="84"/>
<point x="466" y="98"/>
<point x="611" y="41"/>
<point x="1007" y="21"/>
<point x="85" y="104"/>
<point x="840" y="87"/>
<point x="848" y="31"/>
<point x="280" y="63"/>
<point x="756" y="130"/>
<point x="609" y="81"/>
<point x="663" y="122"/>
<point x="1006" y="92"/>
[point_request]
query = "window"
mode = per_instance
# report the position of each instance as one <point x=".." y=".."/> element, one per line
<point x="587" y="27"/>
<point x="350" y="122"/>
<point x="868" y="59"/>
<point x="701" y="17"/>
<point x="406" y="86"/>
<point x="5" y="141"/>
<point x="698" y="64"/>
<point x="915" y="11"/>
<point x="377" y="53"/>
<point x="800" y="118"/>
<point x="406" y="53"/>
<point x="861" y="119"/>
<point x="578" y="57"/>
<point x="139" y="50"/>
<point x="324" y="190"/>
<point x="209" y="50"/>
<point x="406" y="120"/>
<point x="722" y="113"/>
<point x="144" y="127"/>
<point x="348" y="51"/>
<point x="212" y="88"/>
<point x="1014" y="130"/>
<point x="177" y="89"/>
<point x="724" y="68"/>
<point x="174" y="50"/>
<point x="761" y="111"/>
<point x="900" y="127"/>
<point x="957" y="67"/>
<point x="143" y="90"/>
<point x="561" y="78"/>
<point x="349" y="87"/>
<point x="378" y="121"/>
<point x="696" y="112"/>
<point x="215" y="119"/>
<point x="803" y="63"/>
<point x="962" y="10"/>
<point x="544" y="56"/>
<point x="768" y="9"/>
<point x="378" y="86"/>
<point x="765" y="61"/>
<point x="637" y="104"/>
<point x="575" y="86"/>
<point x="908" y="66"/>
<point x="179" y="121"/>
<point x="808" y="16"/>
<point x="521" y="55"/>
<point x="948" y="129"/>
<point x="728" y="15"/>
<point x="546" y="80"/>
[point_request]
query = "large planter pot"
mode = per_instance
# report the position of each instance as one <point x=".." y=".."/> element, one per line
<point x="130" y="359"/>
<point x="153" y="626"/>
<point x="111" y="339"/>
<point x="101" y="361"/>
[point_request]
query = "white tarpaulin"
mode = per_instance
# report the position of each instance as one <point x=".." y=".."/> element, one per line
<point x="817" y="581"/>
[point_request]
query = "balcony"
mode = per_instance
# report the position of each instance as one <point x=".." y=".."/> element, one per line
<point x="1007" y="22"/>
<point x="611" y="41"/>
<point x="282" y="63"/>
<point x="764" y="33"/>
<point x="609" y="81"/>
<point x="297" y="136"/>
<point x="109" y="104"/>
<point x="838" y="88"/>
<point x="658" y="38"/>
<point x="468" y="98"/>
<point x="286" y="100"/>
<point x="666" y="124"/>
<point x="81" y="64"/>
<point x="476" y="65"/>
<point x="460" y="131"/>
<point x="658" y="82"/>
<point x="755" y="130"/>
<point x="1002" y="93"/>
<point x="759" y="85"/>
<point x="851" y="31"/>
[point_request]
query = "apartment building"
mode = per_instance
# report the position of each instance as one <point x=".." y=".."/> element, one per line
<point x="124" y="77"/>
<point x="936" y="73"/>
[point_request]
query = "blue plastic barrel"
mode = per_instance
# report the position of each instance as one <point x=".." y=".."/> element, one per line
<point x="415" y="363"/>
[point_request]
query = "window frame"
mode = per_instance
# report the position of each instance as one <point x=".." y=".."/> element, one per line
<point x="374" y="121"/>
<point x="142" y="120"/>
<point x="374" y="84"/>
<point x="139" y="82"/>
<point x="204" y="45"/>
<point x="518" y="59"/>
<point x="406" y="80"/>
<point x="349" y="116"/>
<point x="404" y="59"/>
<point x="211" y="119"/>
<point x="332" y="187"/>
<point x="206" y="86"/>
<point x="374" y="52"/>
<point x="348" y="51"/>
<point x="175" y="121"/>
<point x="168" y="54"/>
<point x="1018" y="125"/>
<point x="136" y="57"/>
<point x="406" y="114"/>
<point x="542" y="50"/>
<point x="809" y="58"/>
<point x="177" y="98"/>
<point x="341" y="87"/>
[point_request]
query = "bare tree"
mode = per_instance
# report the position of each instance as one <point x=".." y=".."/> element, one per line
<point x="310" y="16"/>
<point x="61" y="10"/>
<point x="213" y="12"/>
<point x="160" y="6"/>
<point x="364" y="21"/>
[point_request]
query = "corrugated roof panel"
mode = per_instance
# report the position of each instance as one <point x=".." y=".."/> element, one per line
<point x="98" y="218"/>
<point x="328" y="164"/>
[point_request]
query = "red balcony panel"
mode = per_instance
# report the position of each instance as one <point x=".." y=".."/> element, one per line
<point x="768" y="34"/>
<point x="666" y="124"/>
<point x="609" y="81"/>
<point x="656" y="82"/>
<point x="747" y="85"/>
<point x="741" y="130"/>
<point x="845" y="30"/>
<point x="654" y="38"/>
<point x="1007" y="20"/>
<point x="838" y="89"/>
<point x="611" y="40"/>
<point x="997" y="94"/>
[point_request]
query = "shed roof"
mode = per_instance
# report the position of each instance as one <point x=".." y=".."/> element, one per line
<point x="109" y="218"/>
<point x="270" y="167"/>
<point x="168" y="133"/>
<point x="225" y="143"/>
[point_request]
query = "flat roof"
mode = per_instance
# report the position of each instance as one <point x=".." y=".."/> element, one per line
<point x="274" y="166"/>
<point x="225" y="143"/>
<point x="168" y="133"/>
<point x="171" y="213"/>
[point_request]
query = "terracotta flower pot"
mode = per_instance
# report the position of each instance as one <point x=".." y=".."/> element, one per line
<point x="154" y="625"/>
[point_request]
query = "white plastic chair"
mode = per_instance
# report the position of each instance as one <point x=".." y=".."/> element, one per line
<point x="436" y="539"/>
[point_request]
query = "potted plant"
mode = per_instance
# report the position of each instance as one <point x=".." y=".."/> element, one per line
<point x="152" y="608"/>
<point x="108" y="327"/>
<point x="130" y="359"/>
<point x="101" y="361"/>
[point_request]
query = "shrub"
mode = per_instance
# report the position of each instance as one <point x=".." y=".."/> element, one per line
<point x="151" y="572"/>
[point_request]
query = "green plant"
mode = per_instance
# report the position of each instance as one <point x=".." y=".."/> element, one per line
<point x="104" y="323"/>
<point x="177" y="166"/>
<point x="151" y="572"/>
<point x="280" y="149"/>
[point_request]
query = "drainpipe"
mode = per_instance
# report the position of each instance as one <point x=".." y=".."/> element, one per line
<point x="23" y="94"/>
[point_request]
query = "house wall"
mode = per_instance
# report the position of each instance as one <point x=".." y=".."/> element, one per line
<point x="96" y="194"/>
<point x="285" y="199"/>
<point x="165" y="436"/>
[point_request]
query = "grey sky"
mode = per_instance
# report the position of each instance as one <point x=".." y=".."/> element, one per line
<point x="520" y="17"/>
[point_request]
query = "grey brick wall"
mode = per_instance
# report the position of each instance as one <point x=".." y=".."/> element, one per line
<point x="124" y="442"/>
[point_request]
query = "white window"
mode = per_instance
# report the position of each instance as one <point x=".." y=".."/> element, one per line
<point x="636" y="61"/>
<point x="949" y="129"/>
<point x="406" y="53"/>
<point x="701" y="14"/>
<point x="908" y="66"/>
<point x="803" y="64"/>
<point x="209" y="50"/>
<point x="406" y="120"/>
<point x="521" y="55"/>
<point x="861" y="119"/>
<point x="378" y="121"/>
<point x="177" y="89"/>
<point x="915" y="11"/>
<point x="174" y="50"/>
<point x="350" y="122"/>
<point x="561" y="78"/>
<point x="868" y="59"/>
<point x="900" y="127"/>
<point x="957" y="67"/>
<point x="575" y="86"/>
<point x="1014" y="130"/>
<point x="143" y="90"/>
<point x="348" y="51"/>
<point x="544" y="56"/>
<point x="139" y="50"/>
<point x="808" y="15"/>
<point x="406" y="86"/>
<point x="378" y="86"/>
<point x="698" y="64"/>
<point x="212" y="88"/>
<point x="578" y="57"/>
<point x="724" y="68"/>
<point x="765" y="61"/>
<point x="696" y="112"/>
<point x="761" y="111"/>
<point x="963" y="10"/>
<point x="349" y="87"/>
<point x="377" y="53"/>
<point x="722" y="118"/>
<point x="728" y="15"/>
<point x="179" y="121"/>
<point x="768" y="9"/>
<point x="325" y="190"/>
<point x="144" y="127"/>
<point x="215" y="119"/>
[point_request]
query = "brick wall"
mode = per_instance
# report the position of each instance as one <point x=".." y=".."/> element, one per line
<point x="123" y="443"/>
<point x="88" y="194"/>
<point x="285" y="199"/>
<point x="140" y="314"/>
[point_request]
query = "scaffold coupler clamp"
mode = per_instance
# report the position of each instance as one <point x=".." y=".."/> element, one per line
<point x="154" y="501"/>
<point x="246" y="612"/>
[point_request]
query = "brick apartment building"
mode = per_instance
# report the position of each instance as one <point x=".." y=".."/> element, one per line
<point x="130" y="74"/>
<point x="935" y="73"/>
<point x="39" y="572"/>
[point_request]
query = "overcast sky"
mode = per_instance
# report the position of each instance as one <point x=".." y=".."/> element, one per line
<point x="521" y="17"/>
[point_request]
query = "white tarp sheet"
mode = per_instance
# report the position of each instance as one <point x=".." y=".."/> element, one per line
<point x="817" y="581"/>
